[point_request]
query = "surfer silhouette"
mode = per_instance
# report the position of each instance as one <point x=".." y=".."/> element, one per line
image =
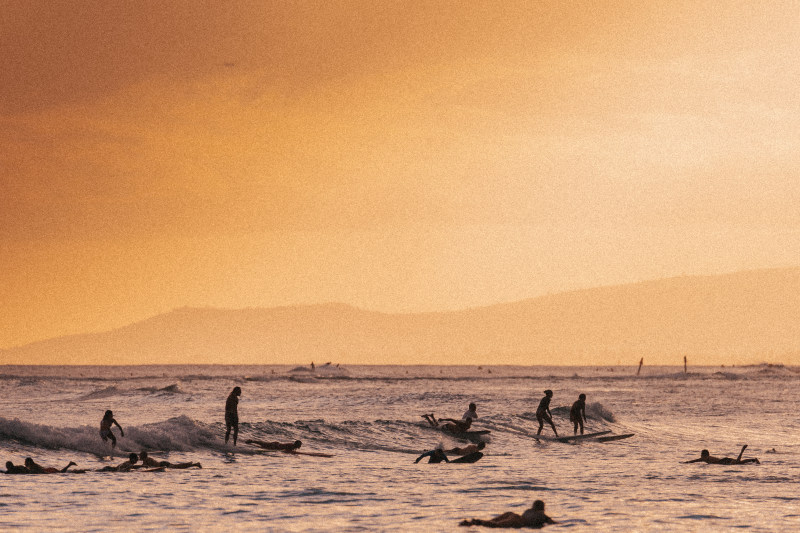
<point x="105" y="428"/>
<point x="232" y="414"/>
<point x="533" y="518"/>
<point x="543" y="413"/>
<point x="275" y="445"/>
<point x="149" y="462"/>
<point x="35" y="468"/>
<point x="706" y="457"/>
<point x="577" y="414"/>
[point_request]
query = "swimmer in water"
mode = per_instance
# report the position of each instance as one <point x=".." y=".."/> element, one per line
<point x="232" y="414"/>
<point x="275" y="445"/>
<point x="577" y="414"/>
<point x="533" y="517"/>
<point x="149" y="462"/>
<point x="105" y="428"/>
<point x="543" y="413"/>
<point x="706" y="457"/>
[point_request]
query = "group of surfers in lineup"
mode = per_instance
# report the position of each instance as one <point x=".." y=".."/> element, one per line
<point x="533" y="517"/>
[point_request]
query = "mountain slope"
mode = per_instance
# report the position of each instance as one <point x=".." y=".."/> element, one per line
<point x="745" y="317"/>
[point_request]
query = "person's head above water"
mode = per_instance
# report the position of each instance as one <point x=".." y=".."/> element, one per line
<point x="472" y="407"/>
<point x="237" y="391"/>
<point x="142" y="455"/>
<point x="704" y="454"/>
<point x="108" y="414"/>
<point x="9" y="465"/>
<point x="133" y="457"/>
<point x="29" y="462"/>
<point x="538" y="505"/>
<point x="481" y="445"/>
<point x="296" y="444"/>
<point x="581" y="396"/>
<point x="548" y="392"/>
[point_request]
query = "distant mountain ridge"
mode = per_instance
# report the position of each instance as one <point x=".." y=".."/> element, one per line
<point x="739" y="318"/>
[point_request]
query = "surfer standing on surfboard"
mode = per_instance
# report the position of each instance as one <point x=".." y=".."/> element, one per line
<point x="577" y="414"/>
<point x="543" y="413"/>
<point x="105" y="428"/>
<point x="232" y="414"/>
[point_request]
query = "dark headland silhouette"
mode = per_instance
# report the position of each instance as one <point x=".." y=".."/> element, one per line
<point x="745" y="317"/>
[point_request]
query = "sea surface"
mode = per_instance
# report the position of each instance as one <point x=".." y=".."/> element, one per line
<point x="368" y="418"/>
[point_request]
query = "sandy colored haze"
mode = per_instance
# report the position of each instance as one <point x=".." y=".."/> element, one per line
<point x="396" y="156"/>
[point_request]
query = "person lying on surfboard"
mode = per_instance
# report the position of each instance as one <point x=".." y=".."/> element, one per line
<point x="472" y="448"/>
<point x="706" y="457"/>
<point x="35" y="468"/>
<point x="275" y="445"/>
<point x="122" y="467"/>
<point x="149" y="462"/>
<point x="533" y="517"/>
<point x="452" y="425"/>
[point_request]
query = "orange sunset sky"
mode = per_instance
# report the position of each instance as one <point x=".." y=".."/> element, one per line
<point x="396" y="156"/>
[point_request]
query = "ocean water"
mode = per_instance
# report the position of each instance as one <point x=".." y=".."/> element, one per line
<point x="368" y="418"/>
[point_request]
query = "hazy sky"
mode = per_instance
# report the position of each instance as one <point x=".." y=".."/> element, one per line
<point x="397" y="156"/>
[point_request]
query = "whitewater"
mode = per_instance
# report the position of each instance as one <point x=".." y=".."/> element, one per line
<point x="368" y="418"/>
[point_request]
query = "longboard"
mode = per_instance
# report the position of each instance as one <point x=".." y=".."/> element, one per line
<point x="467" y="434"/>
<point x="615" y="437"/>
<point x="579" y="437"/>
<point x="313" y="454"/>
<point x="283" y="452"/>
<point x="473" y="457"/>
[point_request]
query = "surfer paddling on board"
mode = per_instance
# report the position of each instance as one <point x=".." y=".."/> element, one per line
<point x="435" y="456"/>
<point x="149" y="462"/>
<point x="122" y="467"/>
<point x="275" y="445"/>
<point x="533" y="518"/>
<point x="105" y="428"/>
<point x="577" y="414"/>
<point x="543" y="413"/>
<point x="232" y="414"/>
<point x="35" y="468"/>
<point x="706" y="457"/>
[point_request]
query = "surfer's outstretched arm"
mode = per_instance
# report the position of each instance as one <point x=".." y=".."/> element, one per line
<point x="424" y="455"/>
